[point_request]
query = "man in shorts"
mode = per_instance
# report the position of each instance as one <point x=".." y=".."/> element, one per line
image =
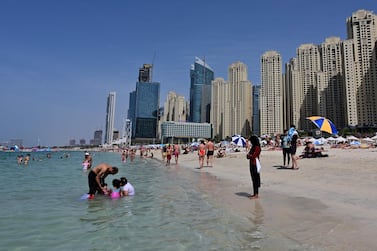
<point x="96" y="178"/>
<point x="210" y="150"/>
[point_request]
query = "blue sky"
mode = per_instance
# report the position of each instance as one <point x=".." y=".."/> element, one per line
<point x="60" y="59"/>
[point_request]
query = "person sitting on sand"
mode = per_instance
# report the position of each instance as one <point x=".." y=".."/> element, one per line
<point x="220" y="153"/>
<point x="310" y="151"/>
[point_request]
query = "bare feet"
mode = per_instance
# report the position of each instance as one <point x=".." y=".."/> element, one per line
<point x="255" y="196"/>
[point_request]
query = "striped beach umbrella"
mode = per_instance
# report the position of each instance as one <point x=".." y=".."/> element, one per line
<point x="324" y="124"/>
<point x="239" y="140"/>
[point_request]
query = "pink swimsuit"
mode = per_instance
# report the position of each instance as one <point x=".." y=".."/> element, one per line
<point x="115" y="194"/>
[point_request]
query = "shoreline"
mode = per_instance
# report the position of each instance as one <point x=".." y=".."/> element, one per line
<point x="328" y="204"/>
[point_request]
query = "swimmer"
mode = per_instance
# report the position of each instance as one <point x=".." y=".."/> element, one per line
<point x="26" y="159"/>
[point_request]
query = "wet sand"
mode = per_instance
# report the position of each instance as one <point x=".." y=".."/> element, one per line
<point x="328" y="204"/>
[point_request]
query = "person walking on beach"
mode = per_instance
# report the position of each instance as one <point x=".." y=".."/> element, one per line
<point x="293" y="150"/>
<point x="163" y="151"/>
<point x="96" y="178"/>
<point x="176" y="153"/>
<point x="286" y="146"/>
<point x="169" y="152"/>
<point x="252" y="155"/>
<point x="201" y="153"/>
<point x="210" y="150"/>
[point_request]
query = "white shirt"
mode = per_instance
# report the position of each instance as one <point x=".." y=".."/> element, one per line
<point x="129" y="188"/>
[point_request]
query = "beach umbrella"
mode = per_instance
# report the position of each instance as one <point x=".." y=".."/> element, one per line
<point x="239" y="140"/>
<point x="195" y="144"/>
<point x="340" y="139"/>
<point x="352" y="138"/>
<point x="367" y="140"/>
<point x="324" y="124"/>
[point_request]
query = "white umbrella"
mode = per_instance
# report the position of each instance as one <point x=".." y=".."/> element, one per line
<point x="239" y="140"/>
<point x="352" y="138"/>
<point x="367" y="139"/>
<point x="340" y="139"/>
<point x="374" y="137"/>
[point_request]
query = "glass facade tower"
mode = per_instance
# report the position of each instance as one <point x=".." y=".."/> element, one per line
<point x="110" y="115"/>
<point x="201" y="76"/>
<point x="144" y="106"/>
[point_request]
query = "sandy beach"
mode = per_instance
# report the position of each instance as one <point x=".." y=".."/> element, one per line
<point x="329" y="203"/>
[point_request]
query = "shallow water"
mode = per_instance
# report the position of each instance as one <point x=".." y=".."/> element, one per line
<point x="41" y="209"/>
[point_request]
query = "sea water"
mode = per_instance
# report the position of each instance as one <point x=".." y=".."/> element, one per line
<point x="41" y="208"/>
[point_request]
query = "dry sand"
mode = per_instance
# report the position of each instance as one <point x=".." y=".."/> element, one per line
<point x="328" y="204"/>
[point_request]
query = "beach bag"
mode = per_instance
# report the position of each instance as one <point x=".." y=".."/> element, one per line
<point x="259" y="166"/>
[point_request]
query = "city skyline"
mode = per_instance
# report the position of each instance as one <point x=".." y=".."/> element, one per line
<point x="56" y="71"/>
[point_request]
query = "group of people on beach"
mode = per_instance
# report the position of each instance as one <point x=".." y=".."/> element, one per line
<point x="289" y="147"/>
<point x="206" y="150"/>
<point x="168" y="151"/>
<point x="96" y="180"/>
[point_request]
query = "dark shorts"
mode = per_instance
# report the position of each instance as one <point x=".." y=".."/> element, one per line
<point x="93" y="186"/>
<point x="209" y="153"/>
<point x="293" y="150"/>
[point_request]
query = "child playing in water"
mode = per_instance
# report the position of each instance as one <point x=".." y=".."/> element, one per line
<point x="126" y="187"/>
<point x="115" y="193"/>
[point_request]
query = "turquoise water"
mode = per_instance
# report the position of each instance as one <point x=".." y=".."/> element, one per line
<point x="41" y="209"/>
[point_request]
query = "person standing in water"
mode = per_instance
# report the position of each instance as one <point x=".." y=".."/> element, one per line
<point x="96" y="178"/>
<point x="88" y="161"/>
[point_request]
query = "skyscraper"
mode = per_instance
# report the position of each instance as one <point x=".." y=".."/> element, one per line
<point x="241" y="99"/>
<point x="110" y="115"/>
<point x="231" y="111"/>
<point x="145" y="73"/>
<point x="292" y="94"/>
<point x="144" y="106"/>
<point x="271" y="94"/>
<point x="309" y="64"/>
<point x="201" y="76"/>
<point x="361" y="68"/>
<point x="220" y="105"/>
<point x="256" y="110"/>
<point x="330" y="82"/>
<point x="97" y="139"/>
<point x="174" y="108"/>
